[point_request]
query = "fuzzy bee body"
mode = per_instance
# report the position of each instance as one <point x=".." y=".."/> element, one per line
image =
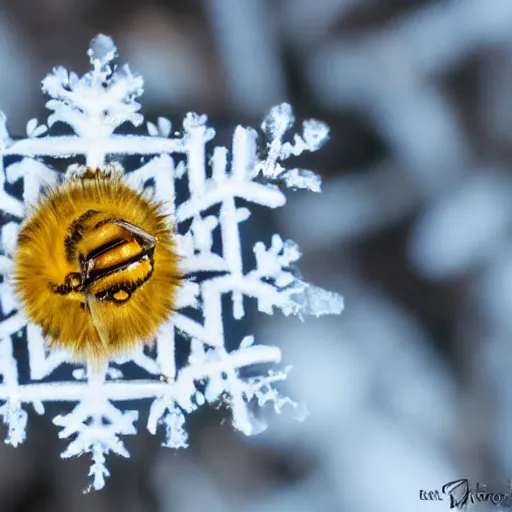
<point x="96" y="267"/>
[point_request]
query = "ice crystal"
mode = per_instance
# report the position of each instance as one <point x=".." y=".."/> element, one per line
<point x="95" y="106"/>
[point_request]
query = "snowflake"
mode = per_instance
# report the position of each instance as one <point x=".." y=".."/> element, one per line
<point x="95" y="106"/>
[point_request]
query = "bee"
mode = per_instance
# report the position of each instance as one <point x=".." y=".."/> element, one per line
<point x="96" y="267"/>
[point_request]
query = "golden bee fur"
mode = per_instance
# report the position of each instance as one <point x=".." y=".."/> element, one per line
<point x="96" y="267"/>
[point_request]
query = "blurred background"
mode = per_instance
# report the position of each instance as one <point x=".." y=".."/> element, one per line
<point x="411" y="386"/>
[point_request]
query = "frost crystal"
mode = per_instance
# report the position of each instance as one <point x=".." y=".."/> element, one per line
<point x="94" y="106"/>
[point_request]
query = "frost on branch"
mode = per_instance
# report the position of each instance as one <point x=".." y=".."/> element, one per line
<point x="94" y="107"/>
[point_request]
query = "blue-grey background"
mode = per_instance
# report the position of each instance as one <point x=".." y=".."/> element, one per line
<point x="411" y="386"/>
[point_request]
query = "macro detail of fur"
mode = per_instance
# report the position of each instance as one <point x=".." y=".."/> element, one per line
<point x="96" y="267"/>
